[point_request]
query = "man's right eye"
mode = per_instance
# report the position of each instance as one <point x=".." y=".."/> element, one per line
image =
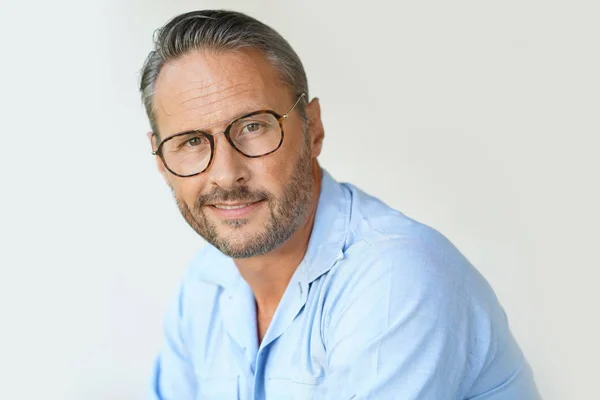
<point x="195" y="141"/>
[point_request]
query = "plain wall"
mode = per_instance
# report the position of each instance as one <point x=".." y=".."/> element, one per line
<point x="478" y="118"/>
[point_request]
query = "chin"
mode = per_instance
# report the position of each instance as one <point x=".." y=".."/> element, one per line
<point x="238" y="242"/>
<point x="240" y="250"/>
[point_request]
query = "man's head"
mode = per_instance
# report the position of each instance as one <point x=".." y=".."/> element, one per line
<point x="249" y="190"/>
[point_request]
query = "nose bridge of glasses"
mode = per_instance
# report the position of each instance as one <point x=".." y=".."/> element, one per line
<point x="214" y="140"/>
<point x="225" y="156"/>
<point x="226" y="141"/>
<point x="214" y="135"/>
<point x="230" y="146"/>
<point x="224" y="131"/>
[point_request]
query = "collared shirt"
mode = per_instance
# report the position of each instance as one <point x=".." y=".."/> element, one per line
<point x="381" y="307"/>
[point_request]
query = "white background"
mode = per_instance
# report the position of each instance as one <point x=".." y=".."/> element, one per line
<point x="480" y="118"/>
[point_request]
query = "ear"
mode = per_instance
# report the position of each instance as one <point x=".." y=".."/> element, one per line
<point x="316" y="132"/>
<point x="159" y="164"/>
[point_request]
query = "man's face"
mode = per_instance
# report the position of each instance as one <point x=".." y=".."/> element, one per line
<point x="243" y="206"/>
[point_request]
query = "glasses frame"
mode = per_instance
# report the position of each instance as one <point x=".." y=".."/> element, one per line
<point x="211" y="138"/>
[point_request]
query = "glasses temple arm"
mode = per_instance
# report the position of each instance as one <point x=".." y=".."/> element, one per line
<point x="294" y="106"/>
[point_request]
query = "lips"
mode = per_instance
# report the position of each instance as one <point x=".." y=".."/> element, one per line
<point x="234" y="210"/>
<point x="230" y="207"/>
<point x="233" y="205"/>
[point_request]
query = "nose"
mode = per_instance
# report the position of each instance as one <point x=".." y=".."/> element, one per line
<point x="228" y="168"/>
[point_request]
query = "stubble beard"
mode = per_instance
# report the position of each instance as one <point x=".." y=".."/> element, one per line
<point x="286" y="214"/>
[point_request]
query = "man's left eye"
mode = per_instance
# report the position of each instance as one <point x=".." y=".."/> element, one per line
<point x="252" y="127"/>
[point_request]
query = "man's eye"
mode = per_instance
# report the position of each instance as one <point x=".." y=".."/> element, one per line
<point x="253" y="127"/>
<point x="195" y="141"/>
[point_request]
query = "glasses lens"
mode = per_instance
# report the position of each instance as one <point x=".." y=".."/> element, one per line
<point x="187" y="154"/>
<point x="256" y="135"/>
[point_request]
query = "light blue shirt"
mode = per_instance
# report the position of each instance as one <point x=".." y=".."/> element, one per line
<point x="381" y="307"/>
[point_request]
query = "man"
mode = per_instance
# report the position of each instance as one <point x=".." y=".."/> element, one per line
<point x="307" y="288"/>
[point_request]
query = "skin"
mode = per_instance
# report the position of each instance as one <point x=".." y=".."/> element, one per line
<point x="206" y="90"/>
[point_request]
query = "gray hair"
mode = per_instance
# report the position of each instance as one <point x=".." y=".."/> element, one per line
<point x="220" y="30"/>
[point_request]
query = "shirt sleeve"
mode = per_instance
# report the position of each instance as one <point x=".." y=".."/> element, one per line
<point x="416" y="321"/>
<point x="173" y="375"/>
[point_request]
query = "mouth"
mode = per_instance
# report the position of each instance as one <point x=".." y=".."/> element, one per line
<point x="235" y="210"/>
<point x="230" y="207"/>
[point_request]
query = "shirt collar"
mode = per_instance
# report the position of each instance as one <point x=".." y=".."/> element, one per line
<point x="330" y="228"/>
<point x="325" y="246"/>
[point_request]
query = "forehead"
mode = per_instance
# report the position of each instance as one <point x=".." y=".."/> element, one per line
<point x="205" y="88"/>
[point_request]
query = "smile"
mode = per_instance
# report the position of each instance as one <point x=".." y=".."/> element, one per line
<point x="226" y="207"/>
<point x="235" y="210"/>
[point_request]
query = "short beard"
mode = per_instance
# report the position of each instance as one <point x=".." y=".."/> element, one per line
<point x="286" y="214"/>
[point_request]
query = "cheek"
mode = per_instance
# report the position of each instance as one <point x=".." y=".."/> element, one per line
<point x="187" y="189"/>
<point x="281" y="164"/>
<point x="273" y="173"/>
<point x="273" y="169"/>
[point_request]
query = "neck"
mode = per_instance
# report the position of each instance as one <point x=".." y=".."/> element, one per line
<point x="269" y="274"/>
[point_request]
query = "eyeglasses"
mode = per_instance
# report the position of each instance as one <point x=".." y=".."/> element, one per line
<point x="253" y="135"/>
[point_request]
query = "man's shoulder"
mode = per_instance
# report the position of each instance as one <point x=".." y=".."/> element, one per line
<point x="371" y="220"/>
<point x="413" y="270"/>
<point x="412" y="253"/>
<point x="409" y="256"/>
<point x="379" y="231"/>
<point x="405" y="282"/>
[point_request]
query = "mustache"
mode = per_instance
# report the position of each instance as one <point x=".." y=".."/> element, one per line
<point x="240" y="193"/>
